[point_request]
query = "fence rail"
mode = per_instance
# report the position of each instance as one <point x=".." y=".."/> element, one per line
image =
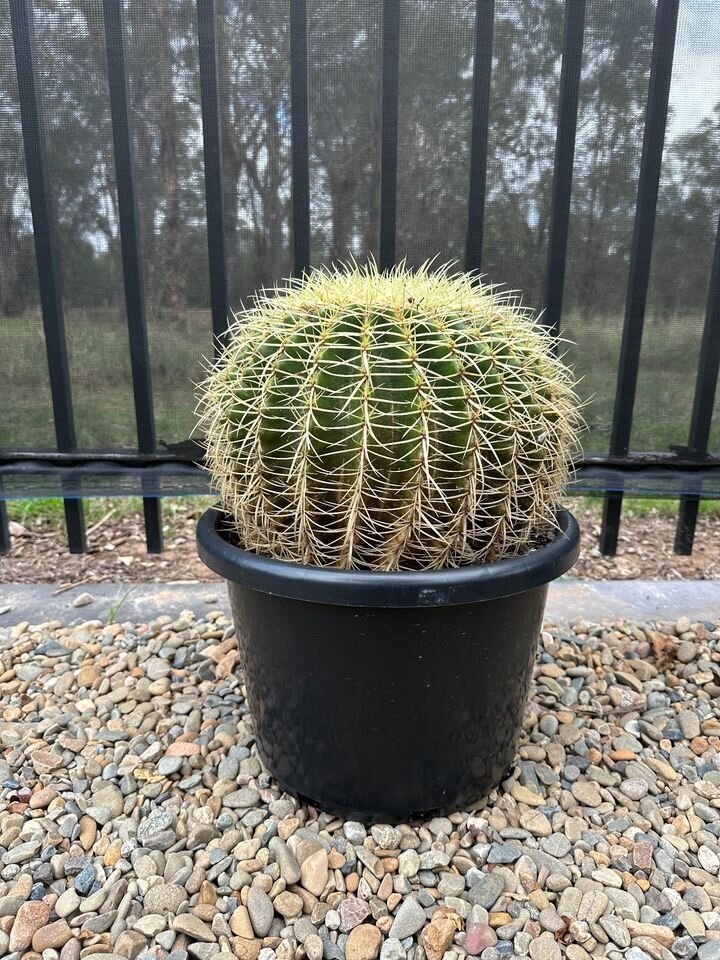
<point x="611" y="474"/>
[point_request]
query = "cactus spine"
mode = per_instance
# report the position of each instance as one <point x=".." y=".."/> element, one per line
<point x="411" y="420"/>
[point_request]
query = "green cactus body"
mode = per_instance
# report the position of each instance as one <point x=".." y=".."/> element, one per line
<point x="410" y="420"/>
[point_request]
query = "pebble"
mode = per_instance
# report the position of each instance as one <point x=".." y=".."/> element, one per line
<point x="314" y="872"/>
<point x="478" y="937"/>
<point x="137" y="822"/>
<point x="194" y="927"/>
<point x="285" y="859"/>
<point x="31" y="916"/>
<point x="545" y="947"/>
<point x="408" y="920"/>
<point x="587" y="793"/>
<point x="363" y="943"/>
<point x="313" y="947"/>
<point x="67" y="903"/>
<point x="164" y="898"/>
<point x="261" y="911"/>
<point x="385" y="836"/>
<point x="392" y="949"/>
<point x="83" y="599"/>
<point x="408" y="863"/>
<point x="486" y="891"/>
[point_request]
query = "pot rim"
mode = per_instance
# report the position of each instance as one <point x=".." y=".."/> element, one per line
<point x="373" y="588"/>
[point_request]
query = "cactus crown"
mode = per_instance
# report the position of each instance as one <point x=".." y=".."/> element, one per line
<point x="410" y="420"/>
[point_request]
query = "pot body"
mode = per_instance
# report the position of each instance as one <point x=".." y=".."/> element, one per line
<point x="387" y="696"/>
<point x="385" y="714"/>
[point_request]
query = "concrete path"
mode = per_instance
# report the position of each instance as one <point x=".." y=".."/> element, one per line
<point x="595" y="600"/>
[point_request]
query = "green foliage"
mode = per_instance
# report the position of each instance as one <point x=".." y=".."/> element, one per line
<point x="389" y="421"/>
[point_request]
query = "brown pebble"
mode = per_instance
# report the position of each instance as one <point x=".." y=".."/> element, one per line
<point x="393" y="900"/>
<point x="436" y="937"/>
<point x="246" y="949"/>
<point x="240" y="924"/>
<point x="88" y="832"/>
<point x="363" y="943"/>
<point x="113" y="853"/>
<point x="52" y="936"/>
<point x="205" y="911"/>
<point x="42" y="798"/>
<point x="31" y="916"/>
<point x="182" y="749"/>
<point x="208" y="893"/>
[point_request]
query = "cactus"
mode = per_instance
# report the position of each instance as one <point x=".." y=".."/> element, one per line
<point x="399" y="421"/>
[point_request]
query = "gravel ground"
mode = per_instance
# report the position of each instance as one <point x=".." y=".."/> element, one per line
<point x="136" y="820"/>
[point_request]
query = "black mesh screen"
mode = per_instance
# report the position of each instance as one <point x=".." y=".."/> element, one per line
<point x="613" y="95"/>
<point x="685" y="231"/>
<point x="27" y="419"/>
<point x="436" y="50"/>
<point x="70" y="67"/>
<point x="343" y="77"/>
<point x="437" y="41"/>
<point x="162" y="58"/>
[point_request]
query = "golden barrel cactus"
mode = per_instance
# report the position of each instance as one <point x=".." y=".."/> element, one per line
<point x="400" y="421"/>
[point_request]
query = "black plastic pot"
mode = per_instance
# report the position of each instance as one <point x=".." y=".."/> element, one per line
<point x="384" y="696"/>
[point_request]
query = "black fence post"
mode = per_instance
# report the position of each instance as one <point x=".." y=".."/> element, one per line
<point x="390" y="91"/>
<point x="131" y="255"/>
<point x="564" y="160"/>
<point x="666" y="18"/>
<point x="213" y="165"/>
<point x="703" y="402"/>
<point x="4" y="529"/>
<point x="300" y="136"/>
<point x="482" y="75"/>
<point x="46" y="251"/>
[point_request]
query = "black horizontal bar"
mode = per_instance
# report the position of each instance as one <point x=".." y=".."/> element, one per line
<point x="390" y="92"/>
<point x="213" y="165"/>
<point x="192" y="455"/>
<point x="33" y="479"/>
<point x="300" y="135"/>
<point x="666" y="18"/>
<point x="482" y="74"/>
<point x="87" y="465"/>
<point x="130" y="246"/>
<point x="564" y="161"/>
<point x="46" y="246"/>
<point x="703" y="401"/>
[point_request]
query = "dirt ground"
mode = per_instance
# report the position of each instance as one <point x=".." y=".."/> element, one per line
<point x="117" y="552"/>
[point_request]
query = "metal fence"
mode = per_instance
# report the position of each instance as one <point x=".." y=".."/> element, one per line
<point x="689" y="472"/>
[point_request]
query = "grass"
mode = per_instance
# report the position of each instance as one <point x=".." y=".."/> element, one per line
<point x="102" y="392"/>
<point x="117" y="603"/>
<point x="100" y="374"/>
<point x="665" y="387"/>
<point x="642" y="506"/>
<point x="50" y="514"/>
